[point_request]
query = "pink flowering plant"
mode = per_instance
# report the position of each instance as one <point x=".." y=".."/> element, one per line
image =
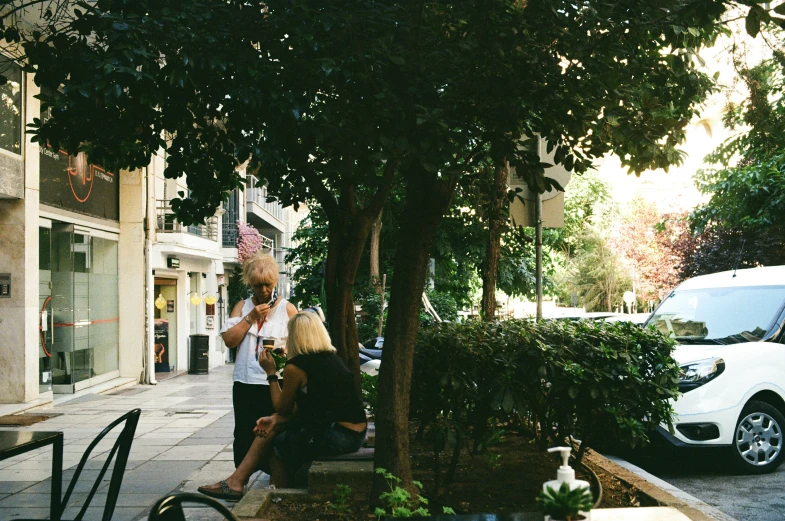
<point x="249" y="241"/>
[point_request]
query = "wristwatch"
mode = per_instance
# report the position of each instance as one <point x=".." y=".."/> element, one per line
<point x="272" y="378"/>
<point x="248" y="319"/>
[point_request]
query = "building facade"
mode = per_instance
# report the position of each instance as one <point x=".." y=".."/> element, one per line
<point x="98" y="280"/>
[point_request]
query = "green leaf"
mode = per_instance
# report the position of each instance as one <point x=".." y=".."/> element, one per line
<point x="753" y="21"/>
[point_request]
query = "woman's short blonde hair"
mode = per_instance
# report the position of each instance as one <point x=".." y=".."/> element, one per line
<point x="260" y="268"/>
<point x="307" y="335"/>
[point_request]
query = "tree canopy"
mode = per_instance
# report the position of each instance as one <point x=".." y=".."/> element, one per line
<point x="335" y="102"/>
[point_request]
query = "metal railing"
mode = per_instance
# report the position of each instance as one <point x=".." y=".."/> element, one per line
<point x="165" y="222"/>
<point x="258" y="195"/>
<point x="229" y="235"/>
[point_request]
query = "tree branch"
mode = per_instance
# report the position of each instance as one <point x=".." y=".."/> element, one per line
<point x="374" y="208"/>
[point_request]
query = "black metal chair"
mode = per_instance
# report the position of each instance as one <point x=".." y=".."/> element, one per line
<point x="170" y="508"/>
<point x="119" y="452"/>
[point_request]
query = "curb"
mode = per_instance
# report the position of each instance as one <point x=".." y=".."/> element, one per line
<point x="661" y="492"/>
<point x="255" y="502"/>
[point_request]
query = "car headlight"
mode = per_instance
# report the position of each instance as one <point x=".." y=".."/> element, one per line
<point x="695" y="374"/>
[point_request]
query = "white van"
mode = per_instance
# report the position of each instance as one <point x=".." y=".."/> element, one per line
<point x="729" y="327"/>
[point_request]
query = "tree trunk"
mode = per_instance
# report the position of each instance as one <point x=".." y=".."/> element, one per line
<point x="490" y="268"/>
<point x="427" y="199"/>
<point x="376" y="232"/>
<point x="346" y="243"/>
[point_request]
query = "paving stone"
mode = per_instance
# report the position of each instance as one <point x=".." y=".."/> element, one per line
<point x="12" y="487"/>
<point x="25" y="500"/>
<point x="9" y="514"/>
<point x="214" y="433"/>
<point x="191" y="440"/>
<point x="190" y="453"/>
<point x="26" y="475"/>
<point x="96" y="513"/>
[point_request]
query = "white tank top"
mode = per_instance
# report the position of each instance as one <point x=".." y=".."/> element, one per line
<point x="246" y="364"/>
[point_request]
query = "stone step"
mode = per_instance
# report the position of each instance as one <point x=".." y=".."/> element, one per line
<point x="323" y="476"/>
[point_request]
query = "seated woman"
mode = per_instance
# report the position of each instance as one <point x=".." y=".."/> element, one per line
<point x="330" y="417"/>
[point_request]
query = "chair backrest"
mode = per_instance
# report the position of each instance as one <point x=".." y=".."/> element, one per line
<point x="170" y="508"/>
<point x="119" y="452"/>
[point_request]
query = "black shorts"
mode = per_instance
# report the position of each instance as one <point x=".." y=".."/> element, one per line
<point x="300" y="444"/>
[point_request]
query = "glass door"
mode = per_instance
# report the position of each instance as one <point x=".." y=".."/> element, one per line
<point x="84" y="306"/>
<point x="62" y="306"/>
<point x="45" y="323"/>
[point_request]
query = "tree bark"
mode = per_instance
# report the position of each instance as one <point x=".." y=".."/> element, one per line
<point x="376" y="232"/>
<point x="427" y="199"/>
<point x="490" y="269"/>
<point x="346" y="243"/>
<point x="349" y="224"/>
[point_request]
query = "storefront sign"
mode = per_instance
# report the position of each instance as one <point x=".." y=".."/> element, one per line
<point x="172" y="262"/>
<point x="73" y="183"/>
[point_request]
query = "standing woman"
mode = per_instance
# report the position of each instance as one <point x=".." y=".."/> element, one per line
<point x="261" y="315"/>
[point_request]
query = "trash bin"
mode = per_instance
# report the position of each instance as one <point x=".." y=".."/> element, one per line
<point x="199" y="361"/>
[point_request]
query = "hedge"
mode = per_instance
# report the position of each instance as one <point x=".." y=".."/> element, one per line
<point x="587" y="380"/>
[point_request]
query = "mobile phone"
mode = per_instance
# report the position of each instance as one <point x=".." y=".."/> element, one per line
<point x="273" y="299"/>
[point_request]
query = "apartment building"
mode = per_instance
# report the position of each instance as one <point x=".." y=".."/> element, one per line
<point x="98" y="280"/>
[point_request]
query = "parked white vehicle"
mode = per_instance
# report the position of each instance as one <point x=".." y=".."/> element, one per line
<point x="729" y="327"/>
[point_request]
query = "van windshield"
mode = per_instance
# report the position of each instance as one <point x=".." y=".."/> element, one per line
<point x="719" y="315"/>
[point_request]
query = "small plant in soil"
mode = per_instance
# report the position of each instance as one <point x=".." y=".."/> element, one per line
<point x="565" y="504"/>
<point x="341" y="500"/>
<point x="398" y="502"/>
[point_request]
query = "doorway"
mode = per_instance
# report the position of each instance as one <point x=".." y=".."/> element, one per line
<point x="78" y="295"/>
<point x="165" y="325"/>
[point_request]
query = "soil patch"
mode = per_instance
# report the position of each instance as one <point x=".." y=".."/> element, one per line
<point x="22" y="420"/>
<point x="505" y="478"/>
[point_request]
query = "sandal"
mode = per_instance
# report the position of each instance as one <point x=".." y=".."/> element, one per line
<point x="223" y="492"/>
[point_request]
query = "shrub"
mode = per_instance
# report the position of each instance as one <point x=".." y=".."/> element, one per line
<point x="584" y="379"/>
<point x="369" y="391"/>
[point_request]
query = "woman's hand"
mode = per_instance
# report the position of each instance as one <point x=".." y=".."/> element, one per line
<point x="259" y="312"/>
<point x="267" y="361"/>
<point x="265" y="425"/>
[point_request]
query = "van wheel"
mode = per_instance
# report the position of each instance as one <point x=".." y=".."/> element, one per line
<point x="758" y="438"/>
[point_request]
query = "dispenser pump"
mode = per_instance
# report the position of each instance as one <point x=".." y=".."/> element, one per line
<point x="565" y="474"/>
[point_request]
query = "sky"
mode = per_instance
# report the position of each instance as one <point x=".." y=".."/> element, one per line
<point x="675" y="189"/>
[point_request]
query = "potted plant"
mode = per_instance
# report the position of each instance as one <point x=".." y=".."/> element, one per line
<point x="565" y="504"/>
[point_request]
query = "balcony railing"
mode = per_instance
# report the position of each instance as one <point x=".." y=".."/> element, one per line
<point x="165" y="222"/>
<point x="258" y="195"/>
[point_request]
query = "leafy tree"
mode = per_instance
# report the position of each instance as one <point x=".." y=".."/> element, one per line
<point x="309" y="256"/>
<point x="587" y="207"/>
<point x="596" y="275"/>
<point x="748" y="188"/>
<point x="335" y="102"/>
<point x="640" y="240"/>
<point x="718" y="249"/>
<point x="743" y="221"/>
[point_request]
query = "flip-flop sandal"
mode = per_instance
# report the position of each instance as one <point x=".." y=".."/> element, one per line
<point x="225" y="492"/>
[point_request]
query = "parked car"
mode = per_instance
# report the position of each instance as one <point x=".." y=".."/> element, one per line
<point x="729" y="329"/>
<point x="635" y="318"/>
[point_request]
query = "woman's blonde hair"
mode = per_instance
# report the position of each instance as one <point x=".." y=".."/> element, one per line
<point x="261" y="267"/>
<point x="307" y="335"/>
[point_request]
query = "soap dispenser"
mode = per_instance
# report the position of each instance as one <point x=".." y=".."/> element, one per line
<point x="566" y="474"/>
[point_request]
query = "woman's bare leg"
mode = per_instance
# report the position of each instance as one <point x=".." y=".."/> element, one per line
<point x="260" y="449"/>
<point x="278" y="473"/>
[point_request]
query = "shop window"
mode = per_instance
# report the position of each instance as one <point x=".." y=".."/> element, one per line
<point x="11" y="106"/>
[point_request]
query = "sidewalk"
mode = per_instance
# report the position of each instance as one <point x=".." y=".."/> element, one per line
<point x="184" y="440"/>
